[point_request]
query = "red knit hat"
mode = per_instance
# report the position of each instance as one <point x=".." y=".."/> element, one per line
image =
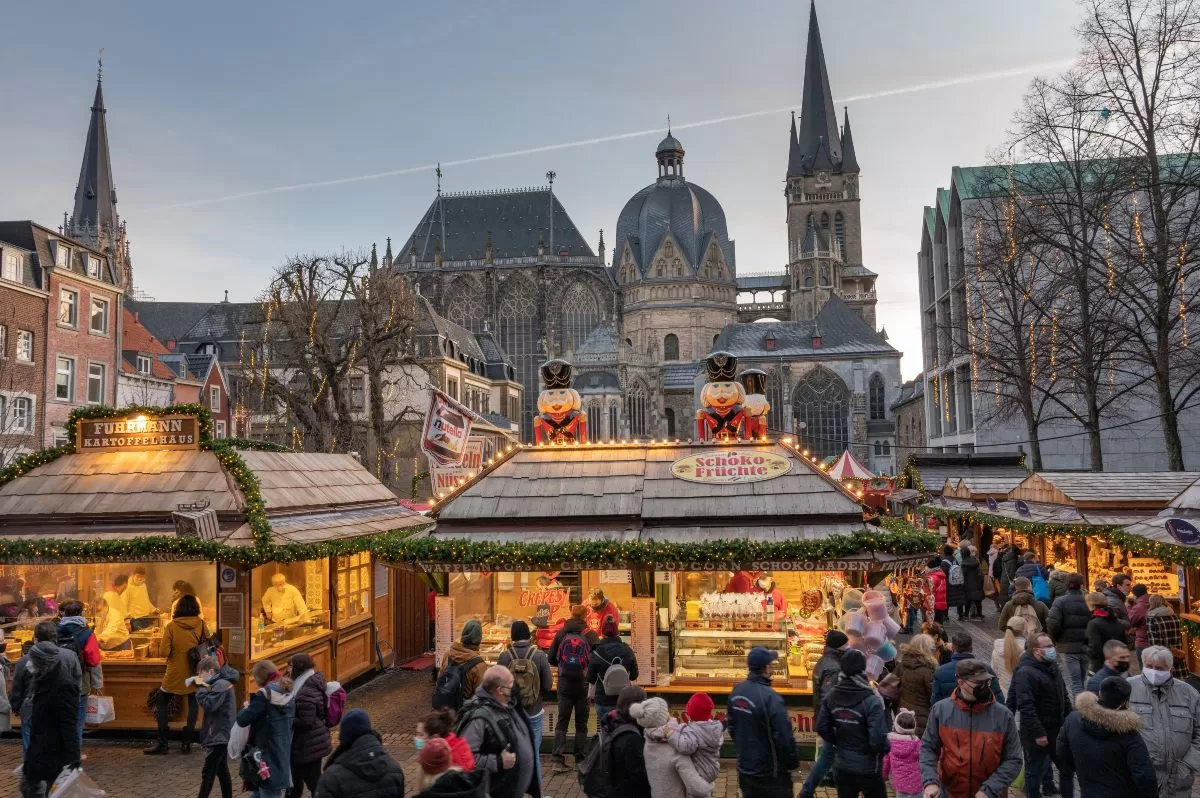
<point x="435" y="757"/>
<point x="700" y="707"/>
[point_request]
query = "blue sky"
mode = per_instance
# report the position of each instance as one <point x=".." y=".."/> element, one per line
<point x="209" y="101"/>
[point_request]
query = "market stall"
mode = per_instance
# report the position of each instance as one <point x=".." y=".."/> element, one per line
<point x="144" y="506"/>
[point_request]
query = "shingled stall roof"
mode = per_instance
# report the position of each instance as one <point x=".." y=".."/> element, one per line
<point x="980" y="488"/>
<point x="1087" y="490"/>
<point x="1185" y="507"/>
<point x="934" y="469"/>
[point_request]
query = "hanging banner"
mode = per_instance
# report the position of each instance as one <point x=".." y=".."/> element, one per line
<point x="447" y="477"/>
<point x="447" y="428"/>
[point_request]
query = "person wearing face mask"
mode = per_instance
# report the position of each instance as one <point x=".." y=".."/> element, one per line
<point x="970" y="747"/>
<point x="765" y="584"/>
<point x="1170" y="713"/>
<point x="1039" y="696"/>
<point x="1101" y="743"/>
<point x="1116" y="663"/>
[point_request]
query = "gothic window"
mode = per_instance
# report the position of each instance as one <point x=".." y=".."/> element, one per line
<point x="659" y="266"/>
<point x="824" y="275"/>
<point x="677" y="265"/>
<point x="671" y="347"/>
<point x="825" y="222"/>
<point x="466" y="305"/>
<point x="579" y="315"/>
<point x="775" y="399"/>
<point x="875" y="398"/>
<point x="637" y="405"/>
<point x="878" y="449"/>
<point x="612" y="423"/>
<point x="593" y="417"/>
<point x="670" y="423"/>
<point x="808" y="276"/>
<point x="821" y="403"/>
<point x="809" y="226"/>
<point x="520" y="340"/>
<point x="839" y="232"/>
<point x="887" y="448"/>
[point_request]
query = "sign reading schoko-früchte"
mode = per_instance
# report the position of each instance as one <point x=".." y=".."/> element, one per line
<point x="137" y="434"/>
<point x="731" y="466"/>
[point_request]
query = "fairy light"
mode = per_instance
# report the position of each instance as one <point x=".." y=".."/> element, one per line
<point x="1054" y="347"/>
<point x="1108" y="258"/>
<point x="1179" y="267"/>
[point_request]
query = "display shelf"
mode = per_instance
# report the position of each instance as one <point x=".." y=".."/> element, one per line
<point x="727" y="633"/>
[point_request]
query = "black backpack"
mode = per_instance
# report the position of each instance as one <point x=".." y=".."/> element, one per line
<point x="595" y="770"/>
<point x="451" y="686"/>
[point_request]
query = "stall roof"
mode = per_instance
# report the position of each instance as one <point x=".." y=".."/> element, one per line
<point x="1090" y="490"/>
<point x="987" y="487"/>
<point x="1045" y="513"/>
<point x="1185" y="506"/>
<point x="934" y="468"/>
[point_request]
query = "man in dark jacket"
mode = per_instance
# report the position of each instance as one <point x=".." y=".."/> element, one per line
<point x="1102" y="744"/>
<point x="1117" y="593"/>
<point x="608" y="652"/>
<point x="310" y="736"/>
<point x="572" y="691"/>
<point x="1103" y="626"/>
<point x="1030" y="568"/>
<point x="824" y="677"/>
<point x="1116" y="663"/>
<point x="531" y="665"/>
<point x="1023" y="597"/>
<point x="1039" y="696"/>
<point x="762" y="732"/>
<point x="945" y="677"/>
<point x="500" y="736"/>
<point x="359" y="767"/>
<point x="53" y="740"/>
<point x="851" y="717"/>
<point x="1067" y="625"/>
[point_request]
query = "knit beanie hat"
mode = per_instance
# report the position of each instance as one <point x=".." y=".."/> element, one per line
<point x="435" y="757"/>
<point x="355" y="724"/>
<point x="836" y="639"/>
<point x="906" y="722"/>
<point x="609" y="628"/>
<point x="1114" y="691"/>
<point x="853" y="662"/>
<point x="700" y="707"/>
<point x="651" y="713"/>
<point x="472" y="633"/>
<point x="520" y="631"/>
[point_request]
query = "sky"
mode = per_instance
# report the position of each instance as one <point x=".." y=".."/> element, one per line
<point x="237" y="132"/>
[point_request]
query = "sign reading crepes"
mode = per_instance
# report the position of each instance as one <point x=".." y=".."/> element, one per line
<point x="138" y="434"/>
<point x="726" y="467"/>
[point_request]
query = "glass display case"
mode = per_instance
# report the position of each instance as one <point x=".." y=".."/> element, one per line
<point x="715" y="650"/>
<point x="288" y="605"/>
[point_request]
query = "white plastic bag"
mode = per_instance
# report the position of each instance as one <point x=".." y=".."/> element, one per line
<point x="100" y="709"/>
<point x="75" y="784"/>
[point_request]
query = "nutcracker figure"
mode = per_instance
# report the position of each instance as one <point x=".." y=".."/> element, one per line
<point x="722" y="416"/>
<point x="754" y="382"/>
<point x="559" y="419"/>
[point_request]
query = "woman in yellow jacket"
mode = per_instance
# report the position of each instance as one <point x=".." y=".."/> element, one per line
<point x="182" y="634"/>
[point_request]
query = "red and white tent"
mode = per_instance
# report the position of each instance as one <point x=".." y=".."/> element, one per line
<point x="847" y="467"/>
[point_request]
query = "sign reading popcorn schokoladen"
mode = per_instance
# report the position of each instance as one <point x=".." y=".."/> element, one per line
<point x="731" y="466"/>
<point x="138" y="434"/>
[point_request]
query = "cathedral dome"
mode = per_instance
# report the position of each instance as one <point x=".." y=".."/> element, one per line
<point x="671" y="206"/>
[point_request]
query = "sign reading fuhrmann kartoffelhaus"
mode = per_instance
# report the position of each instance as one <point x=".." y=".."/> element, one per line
<point x="137" y="434"/>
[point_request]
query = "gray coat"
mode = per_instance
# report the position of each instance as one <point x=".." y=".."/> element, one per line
<point x="480" y="735"/>
<point x="701" y="740"/>
<point x="219" y="702"/>
<point x="671" y="774"/>
<point x="1171" y="728"/>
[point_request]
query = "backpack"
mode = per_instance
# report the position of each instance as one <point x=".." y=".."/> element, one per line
<point x="956" y="574"/>
<point x="616" y="678"/>
<point x="501" y="736"/>
<point x="451" y="686"/>
<point x="526" y="679"/>
<point x="1032" y="624"/>
<point x="573" y="655"/>
<point x="1041" y="588"/>
<point x="335" y="703"/>
<point x="73" y="641"/>
<point x="595" y="770"/>
<point x="206" y="646"/>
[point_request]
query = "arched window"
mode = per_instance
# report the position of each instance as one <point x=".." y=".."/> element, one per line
<point x="878" y="449"/>
<point x="808" y="276"/>
<point x="821" y="402"/>
<point x="671" y="347"/>
<point x="670" y="423"/>
<point x="612" y="423"/>
<point x="875" y="398"/>
<point x="519" y="338"/>
<point x="887" y="448"/>
<point x="637" y="403"/>
<point x="579" y="316"/>
<point x="774" y="399"/>
<point x="809" y="225"/>
<point x="825" y="222"/>
<point x="839" y="232"/>
<point x="593" y="417"/>
<point x="465" y="304"/>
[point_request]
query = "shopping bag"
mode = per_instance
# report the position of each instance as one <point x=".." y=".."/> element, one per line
<point x="1019" y="781"/>
<point x="100" y="710"/>
<point x="74" y="783"/>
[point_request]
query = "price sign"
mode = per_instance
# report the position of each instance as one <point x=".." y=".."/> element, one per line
<point x="1157" y="578"/>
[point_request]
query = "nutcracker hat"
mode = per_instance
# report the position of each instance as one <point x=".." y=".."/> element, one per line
<point x="721" y="366"/>
<point x="556" y="374"/>
<point x="753" y="380"/>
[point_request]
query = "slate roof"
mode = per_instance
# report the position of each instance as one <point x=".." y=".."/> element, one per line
<point x="818" y="140"/>
<point x="35" y="238"/>
<point x="168" y="320"/>
<point x="200" y="365"/>
<point x="843" y="332"/>
<point x="911" y="391"/>
<point x="225" y="321"/>
<point x="602" y="340"/>
<point x="849" y="158"/>
<point x="95" y="193"/>
<point x="681" y="376"/>
<point x="31" y="273"/>
<point x="597" y="382"/>
<point x="763" y="282"/>
<point x="517" y="220"/>
<point x="936" y="468"/>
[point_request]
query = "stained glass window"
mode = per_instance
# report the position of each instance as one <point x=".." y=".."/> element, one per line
<point x="775" y="400"/>
<point x="875" y="398"/>
<point x="579" y="315"/>
<point x="517" y="319"/>
<point x="465" y="304"/>
<point x="821" y="402"/>
<point x="636" y="407"/>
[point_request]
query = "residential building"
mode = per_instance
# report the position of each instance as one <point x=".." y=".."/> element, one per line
<point x="23" y="308"/>
<point x="143" y="379"/>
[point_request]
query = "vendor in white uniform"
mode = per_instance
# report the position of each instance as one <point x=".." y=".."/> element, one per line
<point x="282" y="602"/>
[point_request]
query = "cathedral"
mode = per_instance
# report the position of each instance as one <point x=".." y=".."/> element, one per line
<point x="638" y="325"/>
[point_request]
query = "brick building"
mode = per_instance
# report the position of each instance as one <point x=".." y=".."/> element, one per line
<point x="23" y="304"/>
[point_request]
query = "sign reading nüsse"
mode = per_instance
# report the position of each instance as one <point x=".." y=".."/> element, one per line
<point x="731" y="467"/>
<point x="138" y="434"/>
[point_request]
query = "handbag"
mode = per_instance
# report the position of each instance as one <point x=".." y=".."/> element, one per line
<point x="100" y="709"/>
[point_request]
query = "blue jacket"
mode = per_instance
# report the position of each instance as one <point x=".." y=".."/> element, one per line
<point x="944" y="679"/>
<point x="269" y="718"/>
<point x="753" y="709"/>
<point x="1093" y="684"/>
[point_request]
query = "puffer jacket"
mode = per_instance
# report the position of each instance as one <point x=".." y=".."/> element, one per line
<point x="972" y="579"/>
<point x="1068" y="622"/>
<point x="1137" y="620"/>
<point x="362" y="770"/>
<point x="1105" y="750"/>
<point x="219" y="702"/>
<point x="606" y="652"/>
<point x="269" y="716"/>
<point x="1116" y="603"/>
<point x="1023" y="598"/>
<point x="902" y="765"/>
<point x="54" y="738"/>
<point x="851" y="717"/>
<point x="1103" y="626"/>
<point x="458" y="784"/>
<point x="824" y="675"/>
<point x="628" y="752"/>
<point x="1039" y="695"/>
<point x="937" y="578"/>
<point x="568" y="684"/>
<point x="1058" y="586"/>
<point x="970" y="747"/>
<point x="916" y="685"/>
<point x="701" y="740"/>
<point x="310" y="735"/>
<point x="1171" y="728"/>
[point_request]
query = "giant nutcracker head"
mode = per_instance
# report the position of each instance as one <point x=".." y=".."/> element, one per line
<point x="721" y="415"/>
<point x="754" y="382"/>
<point x="560" y="419"/>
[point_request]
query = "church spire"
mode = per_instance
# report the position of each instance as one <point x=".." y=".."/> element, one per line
<point x="95" y="194"/>
<point x="818" y="119"/>
<point x="849" y="161"/>
<point x="795" y="159"/>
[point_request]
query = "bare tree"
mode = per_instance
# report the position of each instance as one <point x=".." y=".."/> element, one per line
<point x="18" y="427"/>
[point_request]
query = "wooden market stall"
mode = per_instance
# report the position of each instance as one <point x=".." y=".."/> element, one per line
<point x="274" y="544"/>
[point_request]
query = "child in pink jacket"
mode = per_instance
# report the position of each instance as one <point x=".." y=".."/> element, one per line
<point x="902" y="763"/>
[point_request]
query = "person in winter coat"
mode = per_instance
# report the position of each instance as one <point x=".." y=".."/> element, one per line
<point x="1058" y="586"/>
<point x="762" y="731"/>
<point x="266" y="724"/>
<point x="627" y="750"/>
<point x="972" y="583"/>
<point x="1100" y="742"/>
<point x="671" y="774"/>
<point x="1116" y="663"/>
<point x="438" y="725"/>
<point x="700" y="738"/>
<point x="53" y="741"/>
<point x="1170" y="713"/>
<point x="851" y="718"/>
<point x="523" y="657"/>
<point x="498" y="731"/>
<point x="1023" y="603"/>
<point x="944" y="678"/>
<point x="1067" y="625"/>
<point x="937" y="578"/>
<point x="915" y="667"/>
<point x="182" y="634"/>
<point x="310" y="734"/>
<point x="439" y="777"/>
<point x="599" y="607"/>
<point x="607" y="652"/>
<point x="1039" y="697"/>
<point x="216" y="696"/>
<point x="941" y="643"/>
<point x="1008" y="650"/>
<point x="1103" y="626"/>
<point x="1162" y="629"/>
<point x="21" y="698"/>
<point x="572" y="693"/>
<point x="1116" y="593"/>
<point x="1030" y="567"/>
<point x="466" y="649"/>
<point x="74" y="634"/>
<point x="1010" y="559"/>
<point x="824" y="677"/>
<point x="956" y="593"/>
<point x="360" y="767"/>
<point x="970" y="746"/>
<point x="902" y="765"/>
<point x="1137" y="618"/>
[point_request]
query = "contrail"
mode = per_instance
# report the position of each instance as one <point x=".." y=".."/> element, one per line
<point x="719" y="120"/>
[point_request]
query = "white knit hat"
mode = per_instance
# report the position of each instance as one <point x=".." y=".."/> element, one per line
<point x="651" y="713"/>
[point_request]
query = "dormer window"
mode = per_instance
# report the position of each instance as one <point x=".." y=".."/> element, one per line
<point x="143" y="364"/>
<point x="62" y="255"/>
<point x="93" y="267"/>
<point x="769" y="342"/>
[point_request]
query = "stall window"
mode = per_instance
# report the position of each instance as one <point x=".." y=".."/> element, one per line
<point x="288" y="605"/>
<point x="353" y="587"/>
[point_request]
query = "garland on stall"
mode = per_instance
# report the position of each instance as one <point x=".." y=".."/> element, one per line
<point x="93" y="412"/>
<point x="1191" y="627"/>
<point x="251" y="445"/>
<point x="912" y="477"/>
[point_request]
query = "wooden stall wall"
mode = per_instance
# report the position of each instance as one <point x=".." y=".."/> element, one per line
<point x="411" y="625"/>
<point x="382" y="608"/>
